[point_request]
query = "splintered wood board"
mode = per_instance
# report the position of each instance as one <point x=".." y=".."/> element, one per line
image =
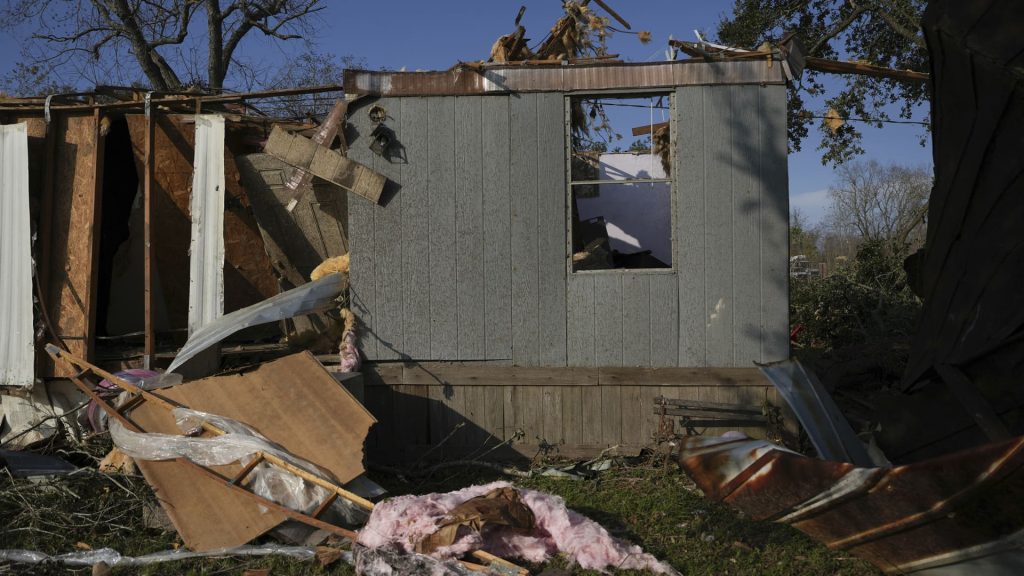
<point x="295" y="403"/>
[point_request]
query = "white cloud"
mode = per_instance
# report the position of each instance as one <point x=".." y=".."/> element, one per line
<point x="812" y="204"/>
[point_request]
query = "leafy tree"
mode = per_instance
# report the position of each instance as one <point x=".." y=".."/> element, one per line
<point x="885" y="33"/>
<point x="803" y="238"/>
<point x="95" y="38"/>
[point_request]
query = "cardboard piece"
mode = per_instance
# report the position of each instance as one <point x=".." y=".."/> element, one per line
<point x="292" y="401"/>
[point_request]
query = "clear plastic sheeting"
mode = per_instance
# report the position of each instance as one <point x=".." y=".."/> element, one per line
<point x="390" y="561"/>
<point x="240" y="444"/>
<point x="306" y="299"/>
<point x="113" y="558"/>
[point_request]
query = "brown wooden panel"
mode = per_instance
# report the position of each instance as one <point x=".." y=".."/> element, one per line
<point x="572" y="415"/>
<point x="552" y="415"/>
<point x="631" y="415"/>
<point x="611" y="415"/>
<point x="591" y="415"/>
<point x="681" y="376"/>
<point x="74" y="223"/>
<point x="248" y="275"/>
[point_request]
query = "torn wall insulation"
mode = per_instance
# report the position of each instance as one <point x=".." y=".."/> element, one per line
<point x="405" y="521"/>
<point x="17" y="355"/>
<point x="206" y="265"/>
<point x="306" y="299"/>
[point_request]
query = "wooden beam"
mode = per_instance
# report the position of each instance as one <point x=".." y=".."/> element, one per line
<point x="99" y="140"/>
<point x="149" y="346"/>
<point x="862" y="69"/>
<point x="649" y="128"/>
<point x="325" y="163"/>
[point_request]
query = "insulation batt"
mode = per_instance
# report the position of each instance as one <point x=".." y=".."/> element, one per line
<point x="405" y="520"/>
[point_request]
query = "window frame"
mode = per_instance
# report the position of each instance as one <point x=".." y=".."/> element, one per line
<point x="671" y="180"/>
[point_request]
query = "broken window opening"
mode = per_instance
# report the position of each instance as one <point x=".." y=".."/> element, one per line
<point x="620" y="181"/>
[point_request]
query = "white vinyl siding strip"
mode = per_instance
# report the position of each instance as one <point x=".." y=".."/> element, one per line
<point x="17" y="354"/>
<point x="206" y="264"/>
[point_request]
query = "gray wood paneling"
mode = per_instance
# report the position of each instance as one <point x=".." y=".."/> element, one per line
<point x="608" y="319"/>
<point x="746" y="192"/>
<point x="468" y="260"/>
<point x="551" y="229"/>
<point x="469" y="215"/>
<point x="362" y="280"/>
<point x="443" y="264"/>
<point x="664" y="311"/>
<point x="387" y="254"/>
<point x="497" y="230"/>
<point x="415" y="194"/>
<point x="719" y="215"/>
<point x="525" y="264"/>
<point x="581" y="319"/>
<point x="774" y="225"/>
<point x="690" y="225"/>
<point x="636" y="320"/>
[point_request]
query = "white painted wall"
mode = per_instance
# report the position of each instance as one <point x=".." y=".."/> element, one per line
<point x="638" y="216"/>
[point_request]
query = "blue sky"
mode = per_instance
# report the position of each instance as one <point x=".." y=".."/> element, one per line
<point x="434" y="35"/>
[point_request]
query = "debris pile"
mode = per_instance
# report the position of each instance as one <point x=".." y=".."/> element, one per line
<point x="504" y="520"/>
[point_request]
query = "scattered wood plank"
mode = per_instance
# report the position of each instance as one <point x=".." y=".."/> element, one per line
<point x="325" y="163"/>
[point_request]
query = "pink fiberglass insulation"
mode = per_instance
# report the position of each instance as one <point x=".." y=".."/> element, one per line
<point x="405" y="520"/>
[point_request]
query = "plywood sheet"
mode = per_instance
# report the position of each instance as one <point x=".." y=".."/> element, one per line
<point x="295" y="403"/>
<point x="248" y="276"/>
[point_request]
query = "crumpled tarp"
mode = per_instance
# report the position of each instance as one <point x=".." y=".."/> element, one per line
<point x="405" y="521"/>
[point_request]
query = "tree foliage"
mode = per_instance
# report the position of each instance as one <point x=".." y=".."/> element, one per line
<point x="881" y="32"/>
<point x="95" y="39"/>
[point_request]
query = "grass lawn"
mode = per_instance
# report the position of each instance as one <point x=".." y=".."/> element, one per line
<point x="649" y="504"/>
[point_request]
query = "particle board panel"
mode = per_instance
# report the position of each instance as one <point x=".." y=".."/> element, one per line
<point x="581" y="318"/>
<point x="469" y="223"/>
<point x="415" y="193"/>
<point x="690" y="224"/>
<point x="551" y="232"/>
<point x="608" y="320"/>
<point x="443" y="246"/>
<point x="774" y="226"/>
<point x="636" y="320"/>
<point x="719" y="250"/>
<point x="248" y="274"/>
<point x="525" y="246"/>
<point x="275" y="399"/>
<point x="746" y="222"/>
<point x="75" y="213"/>
<point x="387" y="253"/>
<point x="497" y="229"/>
<point x="664" y="311"/>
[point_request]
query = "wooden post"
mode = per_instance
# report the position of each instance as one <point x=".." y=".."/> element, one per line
<point x="97" y="222"/>
<point x="147" y="209"/>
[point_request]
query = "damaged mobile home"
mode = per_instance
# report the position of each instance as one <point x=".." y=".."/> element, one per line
<point x="459" y="202"/>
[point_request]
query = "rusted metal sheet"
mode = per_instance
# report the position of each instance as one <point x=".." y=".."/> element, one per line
<point x="560" y="78"/>
<point x="927" y="517"/>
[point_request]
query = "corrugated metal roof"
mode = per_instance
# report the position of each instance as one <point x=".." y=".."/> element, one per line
<point x="17" y="355"/>
<point x="206" y="265"/>
<point x="561" y="78"/>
